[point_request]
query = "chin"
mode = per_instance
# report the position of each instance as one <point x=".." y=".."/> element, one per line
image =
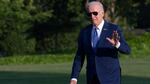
<point x="94" y="22"/>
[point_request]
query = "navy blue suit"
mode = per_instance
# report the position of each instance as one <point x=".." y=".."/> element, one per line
<point x="102" y="61"/>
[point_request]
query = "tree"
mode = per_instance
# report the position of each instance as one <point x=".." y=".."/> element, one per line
<point x="126" y="13"/>
<point x="13" y="24"/>
<point x="144" y="14"/>
<point x="65" y="18"/>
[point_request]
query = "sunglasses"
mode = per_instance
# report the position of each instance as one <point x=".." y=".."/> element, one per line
<point x="90" y="14"/>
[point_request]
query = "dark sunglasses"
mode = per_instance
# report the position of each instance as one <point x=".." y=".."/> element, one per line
<point x="90" y="14"/>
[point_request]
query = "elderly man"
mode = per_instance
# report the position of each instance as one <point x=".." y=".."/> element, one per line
<point x="99" y="43"/>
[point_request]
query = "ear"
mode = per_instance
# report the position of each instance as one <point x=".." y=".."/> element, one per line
<point x="102" y="14"/>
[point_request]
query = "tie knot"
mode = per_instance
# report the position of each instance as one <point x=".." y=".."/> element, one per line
<point x="95" y="31"/>
<point x="95" y="28"/>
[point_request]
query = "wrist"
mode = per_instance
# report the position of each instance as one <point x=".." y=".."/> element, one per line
<point x="74" y="79"/>
<point x="117" y="45"/>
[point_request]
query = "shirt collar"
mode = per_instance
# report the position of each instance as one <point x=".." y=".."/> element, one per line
<point x="100" y="26"/>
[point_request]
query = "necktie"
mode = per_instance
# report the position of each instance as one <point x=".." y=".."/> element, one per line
<point x="95" y="38"/>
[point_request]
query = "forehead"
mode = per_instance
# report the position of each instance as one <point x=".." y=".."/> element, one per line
<point x="93" y="7"/>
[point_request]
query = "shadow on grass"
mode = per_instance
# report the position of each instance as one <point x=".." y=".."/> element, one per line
<point x="8" y="77"/>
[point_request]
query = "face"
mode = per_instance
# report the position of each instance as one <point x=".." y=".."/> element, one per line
<point x="96" y="14"/>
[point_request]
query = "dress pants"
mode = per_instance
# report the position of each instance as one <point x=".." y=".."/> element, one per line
<point x="95" y="80"/>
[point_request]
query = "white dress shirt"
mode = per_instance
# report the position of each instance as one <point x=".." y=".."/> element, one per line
<point x="98" y="29"/>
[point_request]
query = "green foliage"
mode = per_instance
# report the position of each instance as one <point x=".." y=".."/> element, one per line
<point x="129" y="14"/>
<point x="139" y="44"/>
<point x="64" y="44"/>
<point x="36" y="59"/>
<point x="52" y="26"/>
<point x="13" y="24"/>
<point x="57" y="34"/>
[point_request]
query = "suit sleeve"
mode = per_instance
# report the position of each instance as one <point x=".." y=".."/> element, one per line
<point x="79" y="57"/>
<point x="124" y="47"/>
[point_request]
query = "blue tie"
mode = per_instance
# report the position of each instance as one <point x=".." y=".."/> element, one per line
<point x="95" y="38"/>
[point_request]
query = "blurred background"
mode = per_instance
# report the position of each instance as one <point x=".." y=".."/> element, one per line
<point x="38" y="39"/>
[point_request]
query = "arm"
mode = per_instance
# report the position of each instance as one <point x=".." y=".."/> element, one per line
<point x="120" y="42"/>
<point x="78" y="60"/>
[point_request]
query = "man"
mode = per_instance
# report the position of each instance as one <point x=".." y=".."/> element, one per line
<point x="99" y="43"/>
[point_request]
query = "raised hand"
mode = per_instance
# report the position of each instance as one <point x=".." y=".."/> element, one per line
<point x="114" y="39"/>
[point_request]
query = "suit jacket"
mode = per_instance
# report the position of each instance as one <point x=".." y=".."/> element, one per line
<point x="104" y="61"/>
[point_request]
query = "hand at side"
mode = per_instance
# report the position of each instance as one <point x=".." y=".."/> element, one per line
<point x="73" y="82"/>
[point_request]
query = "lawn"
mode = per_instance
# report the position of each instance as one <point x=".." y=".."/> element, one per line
<point x="134" y="71"/>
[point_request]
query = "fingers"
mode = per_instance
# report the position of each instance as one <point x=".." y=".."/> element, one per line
<point x="73" y="82"/>
<point x="115" y="35"/>
<point x="111" y="41"/>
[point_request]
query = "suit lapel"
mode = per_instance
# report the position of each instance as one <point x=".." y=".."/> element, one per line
<point x="103" y="33"/>
<point x="105" y="29"/>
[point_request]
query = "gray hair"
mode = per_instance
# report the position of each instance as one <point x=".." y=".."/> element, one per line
<point x="96" y="3"/>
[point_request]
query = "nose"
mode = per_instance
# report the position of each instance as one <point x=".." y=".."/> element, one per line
<point x="93" y="16"/>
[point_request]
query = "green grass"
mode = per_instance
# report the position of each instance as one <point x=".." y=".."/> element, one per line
<point x="134" y="71"/>
<point x="136" y="66"/>
<point x="36" y="59"/>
